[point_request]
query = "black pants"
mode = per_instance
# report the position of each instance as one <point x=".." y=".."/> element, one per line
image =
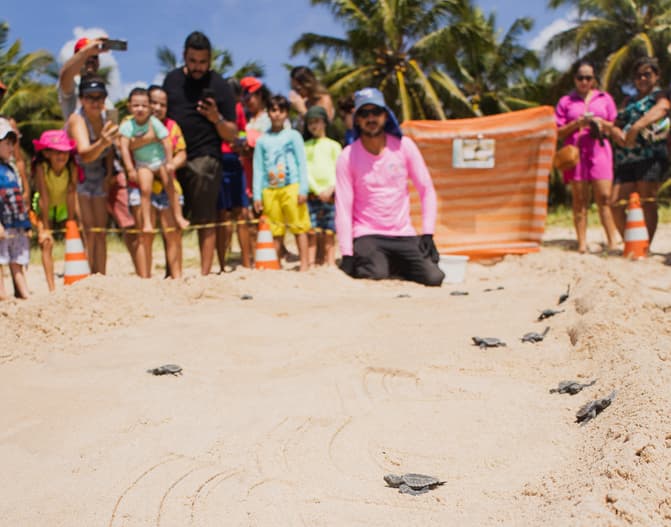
<point x="378" y="257"/>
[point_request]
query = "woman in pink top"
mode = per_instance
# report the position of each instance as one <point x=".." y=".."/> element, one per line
<point x="585" y="119"/>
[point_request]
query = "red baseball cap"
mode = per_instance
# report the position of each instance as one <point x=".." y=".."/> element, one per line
<point x="82" y="42"/>
<point x="250" y="84"/>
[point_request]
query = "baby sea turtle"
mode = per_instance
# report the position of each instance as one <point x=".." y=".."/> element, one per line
<point x="535" y="337"/>
<point x="412" y="483"/>
<point x="488" y="342"/>
<point x="571" y="387"/>
<point x="547" y="313"/>
<point x="403" y="295"/>
<point x="458" y="293"/>
<point x="564" y="296"/>
<point x="593" y="408"/>
<point x="172" y="369"/>
<point x="246" y="297"/>
<point x="490" y="289"/>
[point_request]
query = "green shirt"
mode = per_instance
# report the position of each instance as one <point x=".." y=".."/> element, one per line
<point x="321" y="154"/>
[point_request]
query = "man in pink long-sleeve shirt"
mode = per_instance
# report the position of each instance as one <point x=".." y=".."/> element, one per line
<point x="372" y="201"/>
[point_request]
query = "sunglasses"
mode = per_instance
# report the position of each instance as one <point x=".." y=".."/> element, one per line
<point x="581" y="78"/>
<point x="95" y="98"/>
<point x="376" y="111"/>
<point x="643" y="75"/>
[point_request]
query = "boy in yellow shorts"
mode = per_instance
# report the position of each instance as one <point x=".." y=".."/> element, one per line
<point x="280" y="183"/>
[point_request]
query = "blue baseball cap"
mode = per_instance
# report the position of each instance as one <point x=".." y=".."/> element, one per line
<point x="374" y="96"/>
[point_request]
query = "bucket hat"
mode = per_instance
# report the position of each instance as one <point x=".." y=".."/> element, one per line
<point x="54" y="140"/>
<point x="374" y="96"/>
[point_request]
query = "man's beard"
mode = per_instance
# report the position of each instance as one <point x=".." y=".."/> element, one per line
<point x="375" y="133"/>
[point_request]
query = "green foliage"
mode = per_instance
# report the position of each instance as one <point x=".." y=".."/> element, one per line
<point x="392" y="45"/>
<point x="614" y="33"/>
<point x="31" y="103"/>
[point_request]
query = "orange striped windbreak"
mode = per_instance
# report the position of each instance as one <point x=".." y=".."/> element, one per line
<point x="487" y="212"/>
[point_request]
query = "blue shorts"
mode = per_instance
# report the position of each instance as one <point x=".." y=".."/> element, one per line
<point x="232" y="191"/>
<point x="322" y="215"/>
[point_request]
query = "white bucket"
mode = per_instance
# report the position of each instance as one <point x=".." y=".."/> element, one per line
<point x="454" y="267"/>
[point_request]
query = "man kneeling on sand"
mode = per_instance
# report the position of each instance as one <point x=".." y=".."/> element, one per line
<point x="372" y="201"/>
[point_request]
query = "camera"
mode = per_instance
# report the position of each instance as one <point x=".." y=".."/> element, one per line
<point x="114" y="44"/>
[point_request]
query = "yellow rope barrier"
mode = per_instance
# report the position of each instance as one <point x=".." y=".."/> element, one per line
<point x="234" y="223"/>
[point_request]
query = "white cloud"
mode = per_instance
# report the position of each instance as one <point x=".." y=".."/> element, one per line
<point x="561" y="60"/>
<point x="115" y="87"/>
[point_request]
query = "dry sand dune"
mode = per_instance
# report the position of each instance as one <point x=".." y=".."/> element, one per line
<point x="294" y="404"/>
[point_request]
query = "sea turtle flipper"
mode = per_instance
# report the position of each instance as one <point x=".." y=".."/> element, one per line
<point x="406" y="489"/>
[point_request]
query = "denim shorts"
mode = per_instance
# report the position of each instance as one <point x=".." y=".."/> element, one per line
<point x="158" y="200"/>
<point x="15" y="247"/>
<point x="322" y="215"/>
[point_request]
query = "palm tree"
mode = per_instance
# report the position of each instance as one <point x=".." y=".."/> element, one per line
<point x="492" y="70"/>
<point x="393" y="45"/>
<point x="613" y="33"/>
<point x="33" y="104"/>
<point x="222" y="62"/>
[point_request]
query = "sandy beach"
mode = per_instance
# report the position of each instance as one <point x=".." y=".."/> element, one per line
<point x="294" y="404"/>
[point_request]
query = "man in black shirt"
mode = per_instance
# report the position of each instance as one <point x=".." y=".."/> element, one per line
<point x="203" y="105"/>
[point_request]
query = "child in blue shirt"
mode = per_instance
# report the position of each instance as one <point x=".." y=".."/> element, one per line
<point x="14" y="222"/>
<point x="280" y="184"/>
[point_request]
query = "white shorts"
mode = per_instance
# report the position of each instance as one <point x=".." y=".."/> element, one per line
<point x="151" y="165"/>
<point x="15" y="248"/>
<point x="133" y="197"/>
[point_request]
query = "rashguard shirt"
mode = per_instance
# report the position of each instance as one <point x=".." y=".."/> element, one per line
<point x="372" y="195"/>
<point x="279" y="160"/>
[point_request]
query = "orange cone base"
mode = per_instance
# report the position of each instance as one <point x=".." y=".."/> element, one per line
<point x="76" y="264"/>
<point x="636" y="241"/>
<point x="265" y="256"/>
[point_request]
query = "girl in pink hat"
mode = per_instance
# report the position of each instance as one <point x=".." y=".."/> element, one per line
<point x="56" y="181"/>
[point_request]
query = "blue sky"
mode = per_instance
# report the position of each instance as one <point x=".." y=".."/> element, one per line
<point x="251" y="29"/>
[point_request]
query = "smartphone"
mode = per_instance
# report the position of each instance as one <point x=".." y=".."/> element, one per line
<point x="207" y="93"/>
<point x="115" y="44"/>
<point x="113" y="115"/>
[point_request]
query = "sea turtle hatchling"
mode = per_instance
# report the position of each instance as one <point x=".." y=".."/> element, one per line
<point x="534" y="336"/>
<point x="564" y="296"/>
<point x="458" y="293"/>
<point x="547" y="313"/>
<point x="593" y="408"/>
<point x="488" y="342"/>
<point x="571" y="387"/>
<point x="166" y="369"/>
<point x="413" y="484"/>
<point x="246" y="297"/>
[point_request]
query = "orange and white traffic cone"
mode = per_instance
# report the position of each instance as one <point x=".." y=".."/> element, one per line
<point x="76" y="264"/>
<point x="635" y="233"/>
<point x="266" y="255"/>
